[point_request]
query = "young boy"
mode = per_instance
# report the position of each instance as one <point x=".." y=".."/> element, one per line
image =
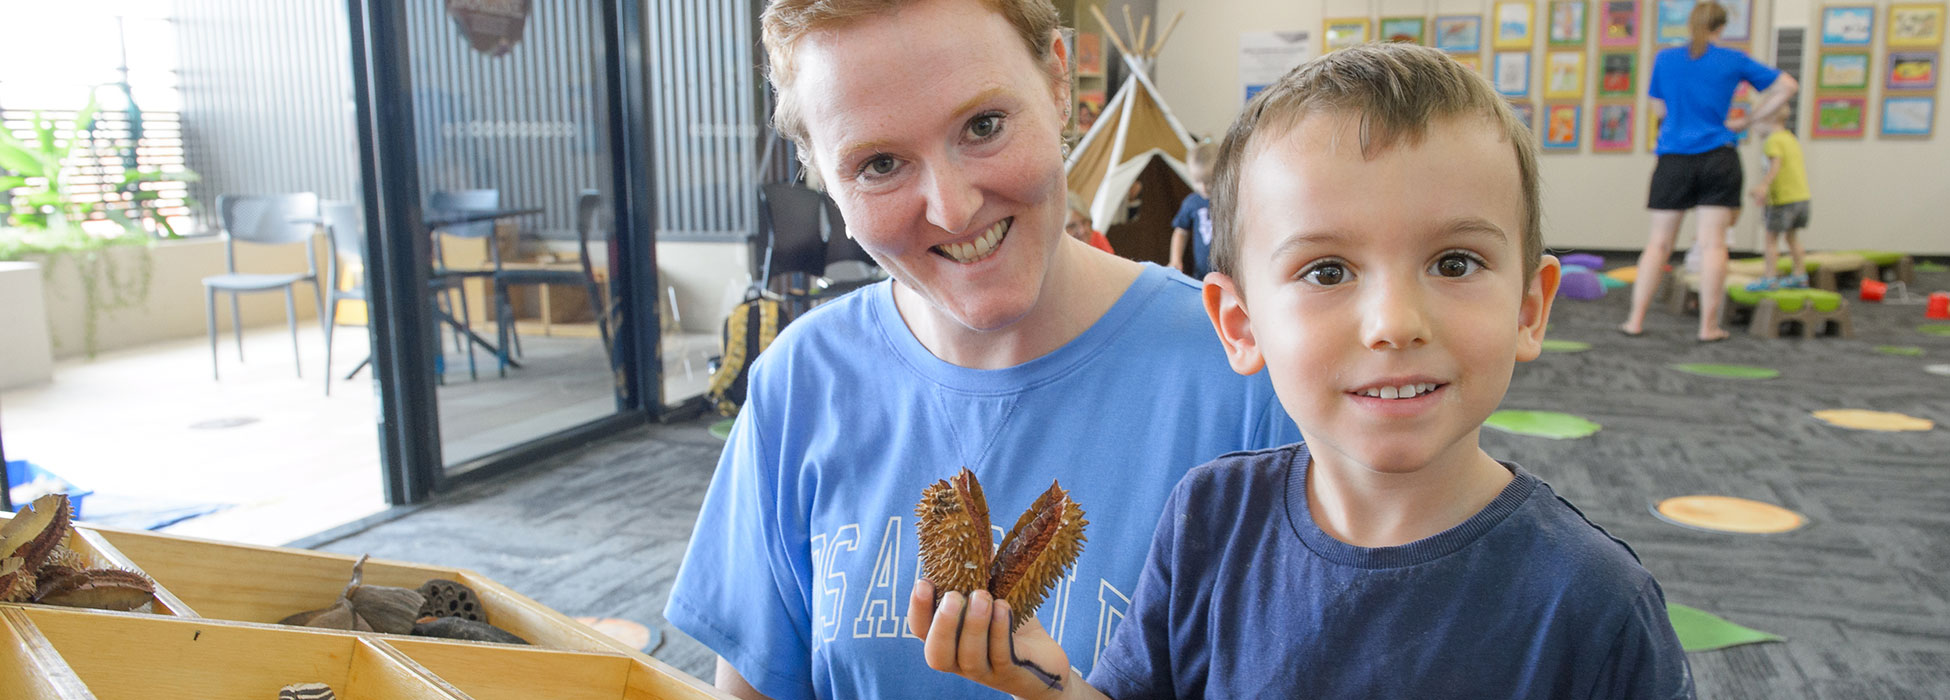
<point x="1784" y="193"/>
<point x="1192" y="227"/>
<point x="1378" y="252"/>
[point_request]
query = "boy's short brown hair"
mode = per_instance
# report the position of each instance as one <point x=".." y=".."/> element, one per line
<point x="1397" y="90"/>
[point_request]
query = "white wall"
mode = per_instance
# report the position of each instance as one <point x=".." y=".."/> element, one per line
<point x="702" y="273"/>
<point x="1870" y="193"/>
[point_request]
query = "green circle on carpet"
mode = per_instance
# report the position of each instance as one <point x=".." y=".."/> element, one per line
<point x="722" y="429"/>
<point x="1699" y="630"/>
<point x="1728" y="371"/>
<point x="1940" y="329"/>
<point x="1900" y="350"/>
<point x="1544" y="424"/>
<point x="1565" y="346"/>
<point x="1927" y="266"/>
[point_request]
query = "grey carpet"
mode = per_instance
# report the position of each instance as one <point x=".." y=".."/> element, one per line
<point x="1860" y="594"/>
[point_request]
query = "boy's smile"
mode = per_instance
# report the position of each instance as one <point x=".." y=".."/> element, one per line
<point x="1385" y="295"/>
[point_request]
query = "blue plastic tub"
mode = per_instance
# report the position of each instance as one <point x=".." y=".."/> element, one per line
<point x="27" y="481"/>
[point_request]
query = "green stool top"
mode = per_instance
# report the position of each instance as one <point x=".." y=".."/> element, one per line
<point x="1850" y="260"/>
<point x="1788" y="300"/>
<point x="1882" y="258"/>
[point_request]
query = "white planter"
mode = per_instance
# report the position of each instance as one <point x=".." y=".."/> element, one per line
<point x="26" y="350"/>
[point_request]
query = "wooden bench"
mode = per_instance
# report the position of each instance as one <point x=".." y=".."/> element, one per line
<point x="1816" y="310"/>
<point x="1888" y="266"/>
<point x="1826" y="270"/>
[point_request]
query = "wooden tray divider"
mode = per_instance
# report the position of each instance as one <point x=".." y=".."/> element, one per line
<point x="30" y="666"/>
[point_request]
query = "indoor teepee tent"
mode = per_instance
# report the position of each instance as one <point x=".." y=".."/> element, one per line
<point x="1137" y="141"/>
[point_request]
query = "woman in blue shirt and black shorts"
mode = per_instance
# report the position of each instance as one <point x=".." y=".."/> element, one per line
<point x="1698" y="167"/>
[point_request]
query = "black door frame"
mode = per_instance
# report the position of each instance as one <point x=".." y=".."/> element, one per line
<point x="403" y="331"/>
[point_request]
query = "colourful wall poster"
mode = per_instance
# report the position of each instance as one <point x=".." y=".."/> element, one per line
<point x="1912" y="70"/>
<point x="1090" y="54"/>
<point x="1474" y="62"/>
<point x="1842" y="71"/>
<point x="1908" y="115"/>
<point x="1916" y="24"/>
<point x="1740" y="21"/>
<point x="1848" y="25"/>
<point x="1564" y="75"/>
<point x="1618" y="74"/>
<point x="1674" y="16"/>
<point x="1526" y="112"/>
<point x="1561" y="126"/>
<point x="1510" y="72"/>
<point x="1459" y="33"/>
<point x="1839" y="117"/>
<point x="1618" y="23"/>
<point x="1405" y="30"/>
<point x="1515" y="24"/>
<point x="1344" y="32"/>
<point x="1567" y="23"/>
<point x="1612" y="129"/>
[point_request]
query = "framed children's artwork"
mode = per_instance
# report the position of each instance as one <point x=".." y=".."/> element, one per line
<point x="1674" y="21"/>
<point x="1090" y="105"/>
<point x="1567" y="22"/>
<point x="1561" y="126"/>
<point x="1743" y="93"/>
<point x="1090" y="54"/>
<point x="1839" y="117"/>
<point x="1344" y="32"/>
<point x="1404" y="30"/>
<point x="1740" y="21"/>
<point x="1915" y="24"/>
<point x="1908" y="116"/>
<point x="1618" y="74"/>
<point x="1459" y="33"/>
<point x="1515" y="24"/>
<point x="1912" y="70"/>
<point x="1618" y="23"/>
<point x="1612" y="129"/>
<point x="1848" y="25"/>
<point x="1474" y="62"/>
<point x="1526" y="113"/>
<point x="1842" y="71"/>
<point x="1564" y="75"/>
<point x="1510" y="72"/>
<point x="1738" y="110"/>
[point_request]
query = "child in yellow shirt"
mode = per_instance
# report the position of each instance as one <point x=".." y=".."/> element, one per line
<point x="1783" y="191"/>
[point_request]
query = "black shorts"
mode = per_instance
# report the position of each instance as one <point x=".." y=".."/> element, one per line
<point x="1710" y="179"/>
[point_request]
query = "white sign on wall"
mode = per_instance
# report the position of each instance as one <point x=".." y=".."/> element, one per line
<point x="1265" y="56"/>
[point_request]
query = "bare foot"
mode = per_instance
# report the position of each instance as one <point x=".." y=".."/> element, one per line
<point x="1717" y="335"/>
<point x="1631" y="330"/>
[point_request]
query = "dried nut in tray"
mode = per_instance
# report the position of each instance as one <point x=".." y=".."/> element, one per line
<point x="36" y="565"/>
<point x="464" y="629"/>
<point x="450" y="599"/>
<point x="956" y="554"/>
<point x="363" y="608"/>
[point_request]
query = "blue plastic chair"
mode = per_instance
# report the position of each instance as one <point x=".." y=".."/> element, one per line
<point x="264" y="220"/>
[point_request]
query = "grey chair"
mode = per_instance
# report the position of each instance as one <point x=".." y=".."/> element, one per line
<point x="282" y="219"/>
<point x="453" y="202"/>
<point x="347" y="235"/>
<point x="588" y="207"/>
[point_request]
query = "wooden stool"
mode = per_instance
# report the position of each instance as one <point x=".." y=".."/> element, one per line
<point x="1816" y="311"/>
<point x="1826" y="270"/>
<point x="1888" y="266"/>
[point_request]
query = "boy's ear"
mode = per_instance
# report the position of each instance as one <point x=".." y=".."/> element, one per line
<point x="1534" y="315"/>
<point x="1225" y="304"/>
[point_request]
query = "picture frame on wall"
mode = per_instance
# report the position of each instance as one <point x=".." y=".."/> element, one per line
<point x="1405" y="30"/>
<point x="1618" y="74"/>
<point x="1515" y="24"/>
<point x="1526" y="112"/>
<point x="1908" y="116"/>
<point x="1474" y="62"/>
<point x="1842" y="70"/>
<point x="1740" y="21"/>
<point x="1459" y="33"/>
<point x="1090" y="54"/>
<point x="1839" y="116"/>
<point x="1673" y="21"/>
<point x="1343" y="32"/>
<point x="1848" y="25"/>
<point x="1564" y="75"/>
<point x="1562" y="124"/>
<point x="1912" y="70"/>
<point x="1611" y="127"/>
<point x="1618" y="24"/>
<point x="1510" y="72"/>
<point x="1567" y="23"/>
<point x="1913" y="25"/>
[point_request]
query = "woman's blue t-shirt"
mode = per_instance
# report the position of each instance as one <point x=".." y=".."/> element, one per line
<point x="1698" y="93"/>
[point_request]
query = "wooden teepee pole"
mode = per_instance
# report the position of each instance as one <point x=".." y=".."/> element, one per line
<point x="1166" y="34"/>
<point x="1130" y="26"/>
<point x="1144" y="32"/>
<point x="1109" y="30"/>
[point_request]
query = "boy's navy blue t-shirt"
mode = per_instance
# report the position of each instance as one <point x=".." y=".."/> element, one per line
<point x="1244" y="596"/>
<point x="1195" y="215"/>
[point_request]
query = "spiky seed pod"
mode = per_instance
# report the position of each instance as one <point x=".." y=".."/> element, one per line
<point x="1044" y="542"/>
<point x="34" y="532"/>
<point x="954" y="532"/>
<point x="17" y="582"/>
<point x="65" y="558"/>
<point x="101" y="589"/>
<point x="446" y="598"/>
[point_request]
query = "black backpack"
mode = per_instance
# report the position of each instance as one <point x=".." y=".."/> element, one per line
<point x="747" y="332"/>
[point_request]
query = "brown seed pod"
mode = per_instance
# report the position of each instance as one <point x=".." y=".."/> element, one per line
<point x="446" y="598"/>
<point x="464" y="629"/>
<point x="388" y="609"/>
<point x="34" y="532"/>
<point x="17" y="582"/>
<point x="101" y="589"/>
<point x="337" y="616"/>
<point x="955" y="551"/>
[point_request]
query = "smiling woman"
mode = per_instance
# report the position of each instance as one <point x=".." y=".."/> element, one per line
<point x="1001" y="344"/>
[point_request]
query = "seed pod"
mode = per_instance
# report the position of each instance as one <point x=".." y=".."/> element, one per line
<point x="954" y="530"/>
<point x="338" y="616"/>
<point x="446" y="598"/>
<point x="34" y="532"/>
<point x="955" y="553"/>
<point x="17" y="582"/>
<point x="1038" y="551"/>
<point x="464" y="629"/>
<point x="306" y="691"/>
<point x="388" y="609"/>
<point x="101" y="589"/>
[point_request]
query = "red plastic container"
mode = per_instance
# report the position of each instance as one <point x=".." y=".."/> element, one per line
<point x="1939" y="305"/>
<point x="1872" y="290"/>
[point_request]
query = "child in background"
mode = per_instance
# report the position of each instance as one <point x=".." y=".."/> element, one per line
<point x="1378" y="252"/>
<point x="1192" y="227"/>
<point x="1784" y="193"/>
<point x="1077" y="224"/>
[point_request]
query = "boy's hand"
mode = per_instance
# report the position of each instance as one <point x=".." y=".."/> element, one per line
<point x="1760" y="195"/>
<point x="1737" y="124"/>
<point x="978" y="646"/>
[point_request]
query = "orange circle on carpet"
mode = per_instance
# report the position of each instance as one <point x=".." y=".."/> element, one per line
<point x="1859" y="419"/>
<point x="1729" y="514"/>
<point x="628" y="632"/>
<point x="1627" y="275"/>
